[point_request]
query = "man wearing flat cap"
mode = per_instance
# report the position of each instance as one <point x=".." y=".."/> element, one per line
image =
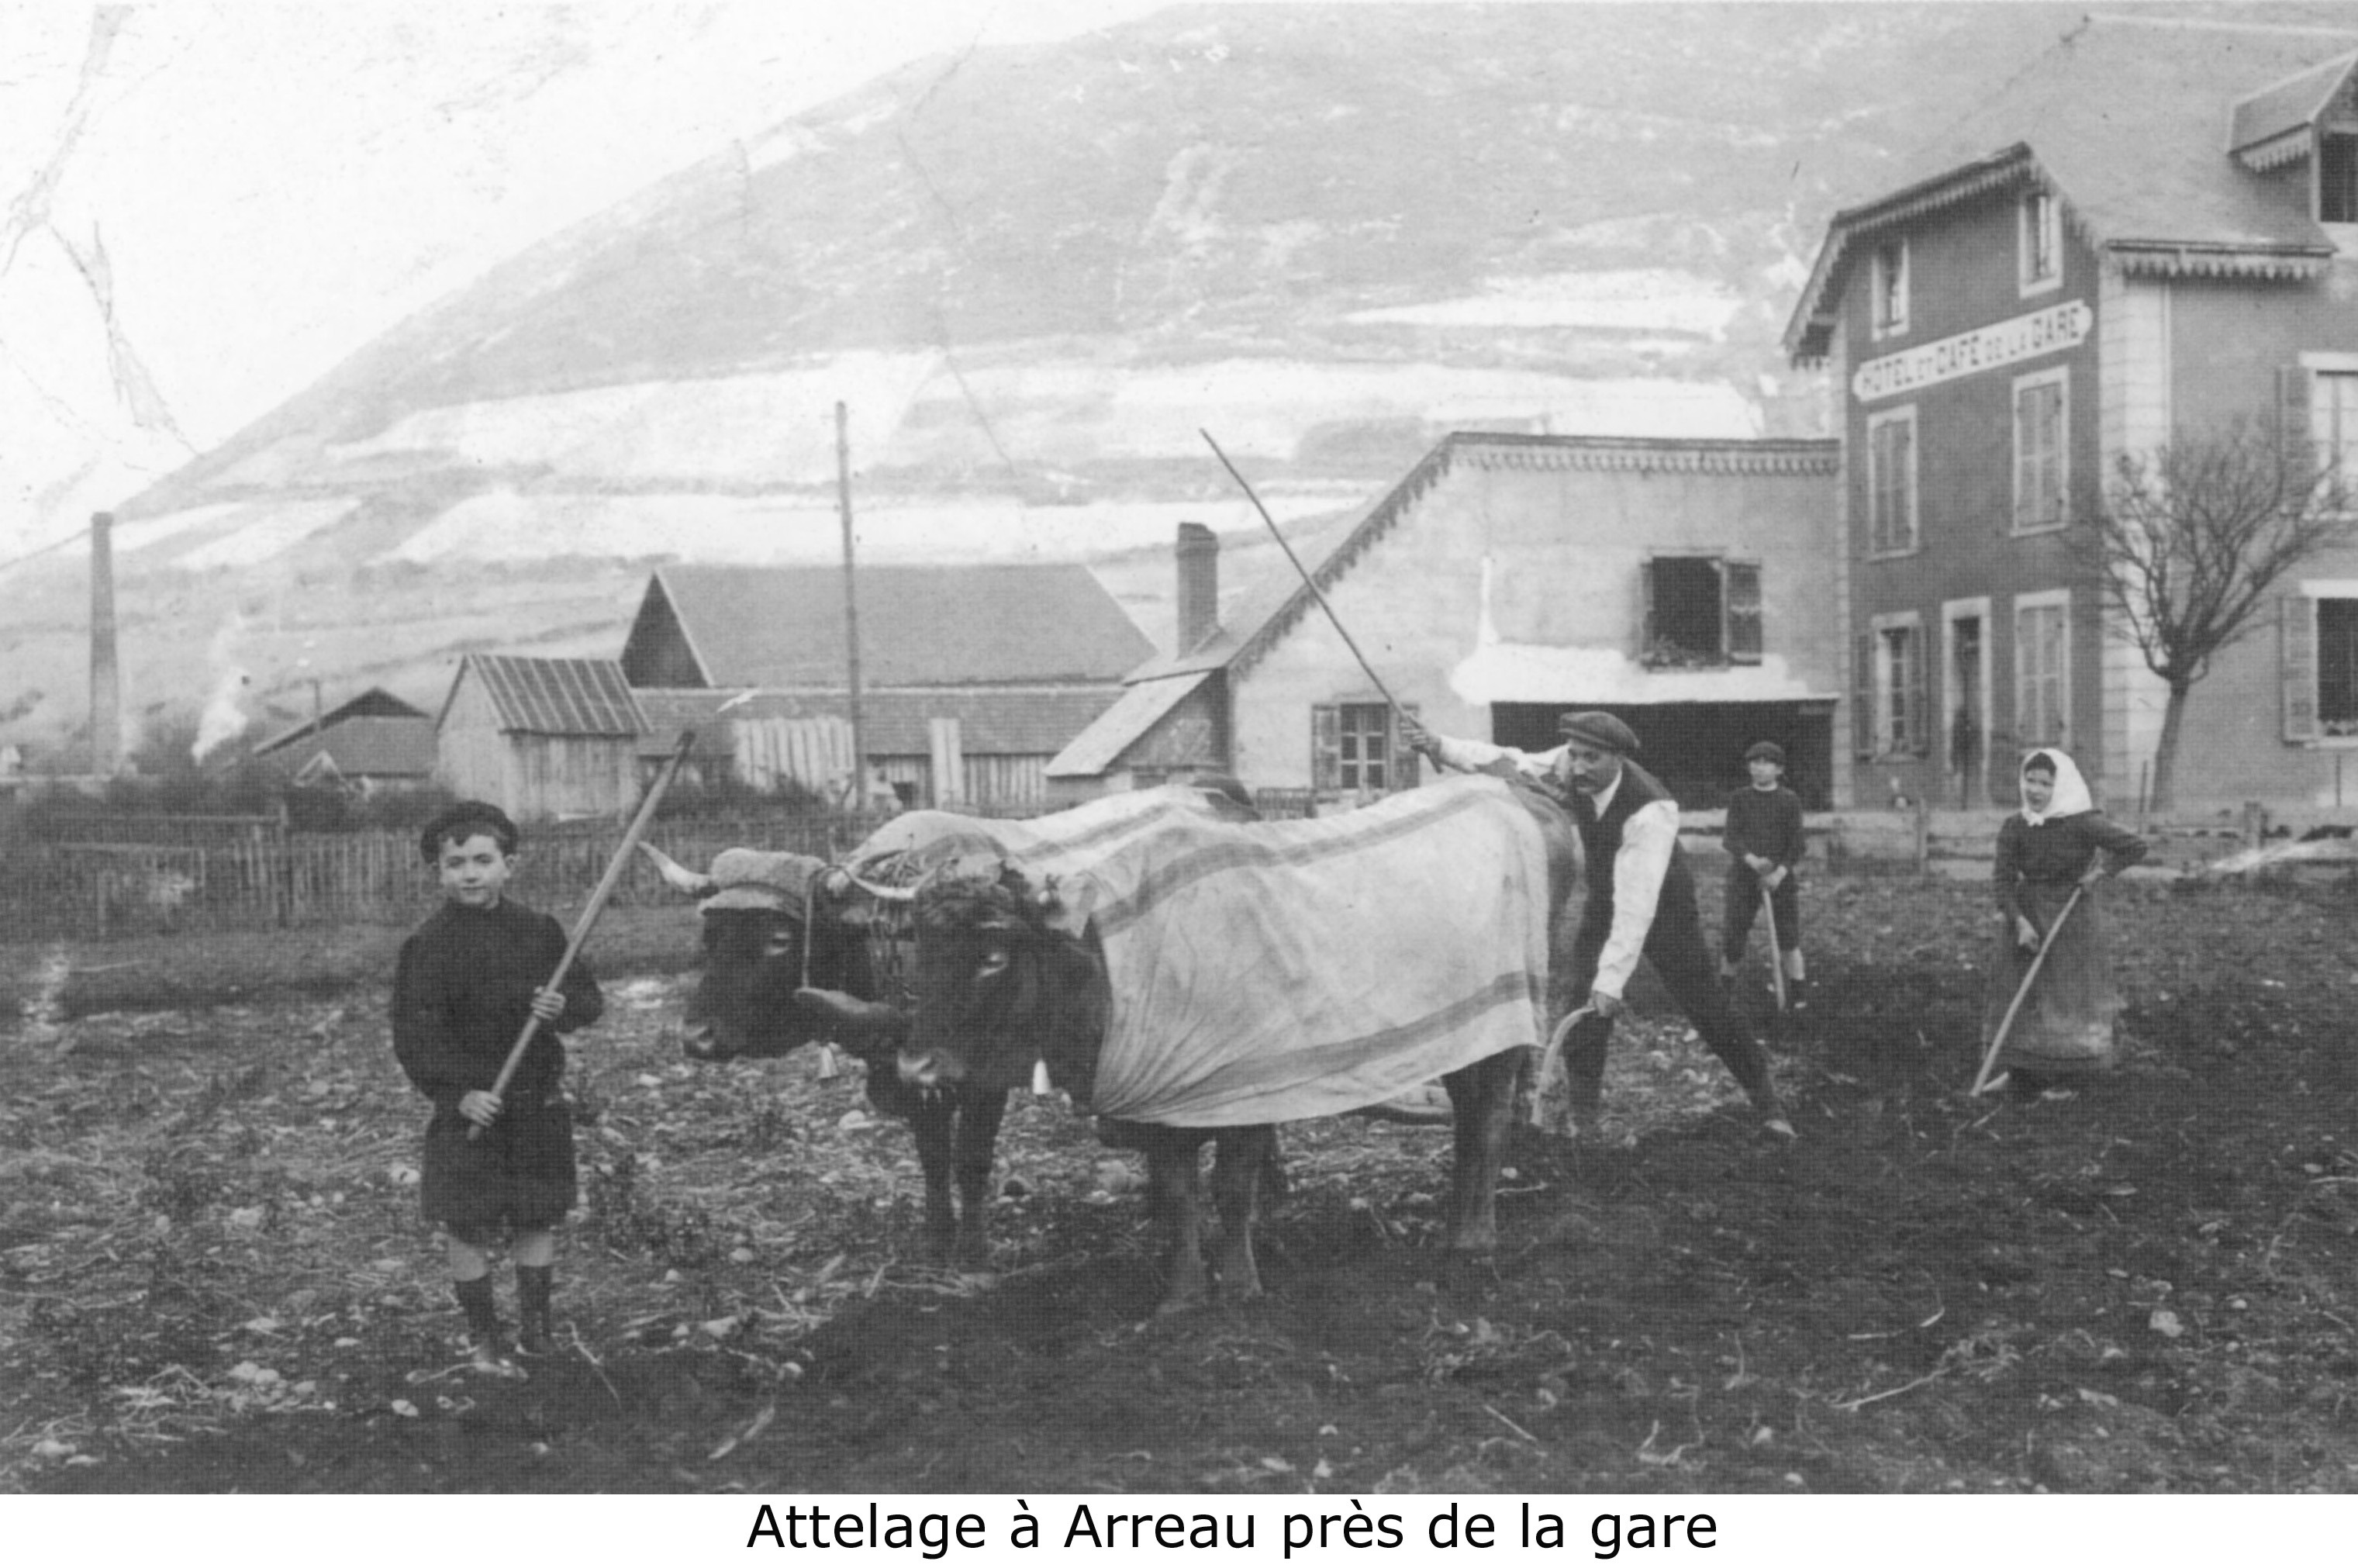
<point x="1642" y="898"/>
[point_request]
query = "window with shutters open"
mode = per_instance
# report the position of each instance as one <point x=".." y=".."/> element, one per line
<point x="1356" y="748"/>
<point x="2328" y="400"/>
<point x="1887" y="296"/>
<point x="2040" y="251"/>
<point x="1701" y="612"/>
<point x="1897" y="690"/>
<point x="2319" y="662"/>
<point x="2042" y="669"/>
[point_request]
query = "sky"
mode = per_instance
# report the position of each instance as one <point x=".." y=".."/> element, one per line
<point x="204" y="207"/>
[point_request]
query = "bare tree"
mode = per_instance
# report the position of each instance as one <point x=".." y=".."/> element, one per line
<point x="2186" y="545"/>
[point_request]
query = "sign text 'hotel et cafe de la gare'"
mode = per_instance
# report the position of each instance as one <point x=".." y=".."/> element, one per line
<point x="2005" y="343"/>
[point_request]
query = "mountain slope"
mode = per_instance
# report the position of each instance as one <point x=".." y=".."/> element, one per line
<point x="1327" y="234"/>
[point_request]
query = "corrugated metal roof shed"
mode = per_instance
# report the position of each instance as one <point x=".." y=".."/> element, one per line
<point x="555" y="696"/>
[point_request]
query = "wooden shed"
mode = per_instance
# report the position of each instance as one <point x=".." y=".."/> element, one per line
<point x="541" y="738"/>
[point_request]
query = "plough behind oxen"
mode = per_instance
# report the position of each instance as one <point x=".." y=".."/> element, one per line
<point x="776" y="925"/>
<point x="1208" y="980"/>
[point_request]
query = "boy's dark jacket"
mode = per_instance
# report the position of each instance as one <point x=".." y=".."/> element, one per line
<point x="463" y="990"/>
<point x="1765" y="822"/>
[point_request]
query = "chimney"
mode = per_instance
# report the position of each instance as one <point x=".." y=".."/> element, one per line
<point x="105" y="677"/>
<point x="1198" y="554"/>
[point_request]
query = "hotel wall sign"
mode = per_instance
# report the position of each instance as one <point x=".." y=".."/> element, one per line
<point x="2046" y="332"/>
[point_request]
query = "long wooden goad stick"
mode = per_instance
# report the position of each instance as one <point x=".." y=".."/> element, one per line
<point x="594" y="908"/>
<point x="1989" y="1058"/>
<point x="1307" y="580"/>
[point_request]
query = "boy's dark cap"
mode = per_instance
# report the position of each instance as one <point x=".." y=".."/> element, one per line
<point x="1599" y="730"/>
<point x="463" y="821"/>
<point x="1765" y="751"/>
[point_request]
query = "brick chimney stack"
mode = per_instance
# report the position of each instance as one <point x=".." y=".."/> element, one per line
<point x="1198" y="554"/>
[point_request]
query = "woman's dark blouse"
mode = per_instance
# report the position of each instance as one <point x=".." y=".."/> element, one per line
<point x="2056" y="853"/>
<point x="463" y="990"/>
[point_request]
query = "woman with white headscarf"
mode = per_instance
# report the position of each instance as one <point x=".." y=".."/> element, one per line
<point x="2059" y="842"/>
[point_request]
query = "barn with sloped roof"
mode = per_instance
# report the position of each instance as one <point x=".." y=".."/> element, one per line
<point x="973" y="677"/>
<point x="541" y="738"/>
<point x="366" y="743"/>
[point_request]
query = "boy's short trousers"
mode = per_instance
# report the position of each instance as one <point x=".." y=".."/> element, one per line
<point x="517" y="1176"/>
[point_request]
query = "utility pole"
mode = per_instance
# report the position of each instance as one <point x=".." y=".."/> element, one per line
<point x="850" y="607"/>
<point x="105" y="672"/>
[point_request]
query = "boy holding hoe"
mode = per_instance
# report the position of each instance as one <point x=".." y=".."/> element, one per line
<point x="468" y="981"/>
<point x="1764" y="841"/>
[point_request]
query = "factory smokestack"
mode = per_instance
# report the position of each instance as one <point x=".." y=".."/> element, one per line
<point x="105" y="674"/>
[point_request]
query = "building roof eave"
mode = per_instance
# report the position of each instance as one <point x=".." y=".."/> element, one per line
<point x="1812" y="320"/>
<point x="2194" y="258"/>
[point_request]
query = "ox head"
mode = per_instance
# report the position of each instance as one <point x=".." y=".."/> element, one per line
<point x="984" y="992"/>
<point x="773" y="922"/>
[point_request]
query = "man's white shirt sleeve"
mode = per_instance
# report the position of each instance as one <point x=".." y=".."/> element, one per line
<point x="1647" y="840"/>
<point x="1481" y="757"/>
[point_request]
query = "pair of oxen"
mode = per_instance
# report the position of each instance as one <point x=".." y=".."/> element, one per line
<point x="935" y="956"/>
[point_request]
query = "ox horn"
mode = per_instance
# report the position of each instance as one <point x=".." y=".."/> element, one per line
<point x="893" y="895"/>
<point x="882" y="893"/>
<point x="678" y="877"/>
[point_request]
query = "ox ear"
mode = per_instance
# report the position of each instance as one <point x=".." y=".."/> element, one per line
<point x="678" y="877"/>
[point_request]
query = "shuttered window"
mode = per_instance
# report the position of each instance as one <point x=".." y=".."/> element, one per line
<point x="2039" y="405"/>
<point x="1356" y="748"/>
<point x="2333" y="405"/>
<point x="1891" y="483"/>
<point x="1701" y="610"/>
<point x="1889" y="306"/>
<point x="2042" y="673"/>
<point x="1743" y="602"/>
<point x="2298" y="641"/>
<point x="1325" y="747"/>
<point x="1896" y="693"/>
<point x="2042" y="244"/>
<point x="1861" y="696"/>
<point x="2337" y="665"/>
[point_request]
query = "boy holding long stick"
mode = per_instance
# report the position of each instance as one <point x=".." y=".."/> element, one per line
<point x="495" y="1161"/>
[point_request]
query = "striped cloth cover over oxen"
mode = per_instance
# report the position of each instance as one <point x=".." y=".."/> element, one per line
<point x="1267" y="972"/>
<point x="1059" y="845"/>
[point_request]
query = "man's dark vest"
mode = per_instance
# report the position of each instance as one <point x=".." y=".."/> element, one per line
<point x="1600" y="839"/>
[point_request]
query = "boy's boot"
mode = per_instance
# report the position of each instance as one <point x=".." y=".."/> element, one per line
<point x="485" y="1347"/>
<point x="533" y="1334"/>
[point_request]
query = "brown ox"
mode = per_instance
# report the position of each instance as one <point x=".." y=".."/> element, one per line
<point x="1001" y="978"/>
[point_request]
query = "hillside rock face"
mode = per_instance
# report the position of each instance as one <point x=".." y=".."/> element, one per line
<point x="1032" y="275"/>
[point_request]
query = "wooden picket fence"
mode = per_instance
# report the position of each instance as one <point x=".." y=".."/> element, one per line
<point x="99" y="890"/>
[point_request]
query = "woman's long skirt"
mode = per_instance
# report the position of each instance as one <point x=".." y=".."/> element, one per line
<point x="2065" y="1026"/>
